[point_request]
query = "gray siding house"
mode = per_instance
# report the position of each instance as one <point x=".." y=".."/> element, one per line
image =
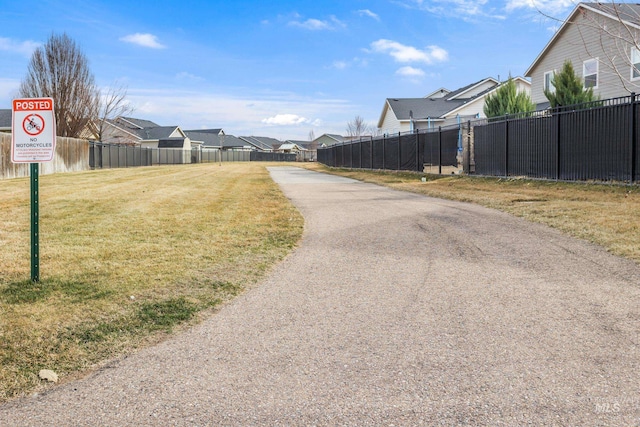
<point x="601" y="41"/>
<point x="440" y="108"/>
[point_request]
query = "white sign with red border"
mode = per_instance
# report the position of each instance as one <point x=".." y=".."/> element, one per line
<point x="33" y="130"/>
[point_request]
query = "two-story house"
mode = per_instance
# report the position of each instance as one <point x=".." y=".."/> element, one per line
<point x="602" y="41"/>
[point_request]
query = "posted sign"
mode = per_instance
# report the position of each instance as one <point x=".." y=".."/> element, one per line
<point x="34" y="130"/>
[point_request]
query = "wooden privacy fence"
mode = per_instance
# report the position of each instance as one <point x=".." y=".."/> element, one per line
<point x="71" y="155"/>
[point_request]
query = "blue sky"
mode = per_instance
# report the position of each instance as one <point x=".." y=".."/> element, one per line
<point x="282" y="68"/>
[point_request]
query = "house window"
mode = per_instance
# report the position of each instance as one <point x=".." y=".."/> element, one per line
<point x="590" y="73"/>
<point x="635" y="63"/>
<point x="548" y="82"/>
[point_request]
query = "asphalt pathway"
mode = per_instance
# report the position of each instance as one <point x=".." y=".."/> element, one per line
<point x="396" y="309"/>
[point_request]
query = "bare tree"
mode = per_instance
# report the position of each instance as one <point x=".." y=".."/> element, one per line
<point x="312" y="135"/>
<point x="113" y="103"/>
<point x="617" y="42"/>
<point x="60" y="70"/>
<point x="357" y="127"/>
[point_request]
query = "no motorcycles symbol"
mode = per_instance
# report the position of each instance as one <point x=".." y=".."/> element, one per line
<point x="33" y="124"/>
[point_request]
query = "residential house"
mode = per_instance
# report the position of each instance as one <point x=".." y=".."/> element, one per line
<point x="601" y="41"/>
<point x="132" y="131"/>
<point x="216" y="139"/>
<point x="289" y="147"/>
<point x="5" y="120"/>
<point x="327" y="140"/>
<point x="440" y="108"/>
<point x="261" y="143"/>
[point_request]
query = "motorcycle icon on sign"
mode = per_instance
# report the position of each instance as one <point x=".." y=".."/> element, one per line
<point x="33" y="124"/>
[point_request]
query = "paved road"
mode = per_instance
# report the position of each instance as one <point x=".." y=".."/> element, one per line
<point x="397" y="309"/>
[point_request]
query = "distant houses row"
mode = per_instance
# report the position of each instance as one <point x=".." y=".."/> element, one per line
<point x="598" y="39"/>
<point x="148" y="134"/>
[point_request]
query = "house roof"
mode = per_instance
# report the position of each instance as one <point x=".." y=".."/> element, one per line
<point x="212" y="131"/>
<point x="290" y="146"/>
<point x="158" y="132"/>
<point x="433" y="108"/>
<point x="336" y="138"/>
<point x="438" y="93"/>
<point x="5" y="118"/>
<point x="629" y="13"/>
<point x="133" y="123"/>
<point x="210" y="138"/>
<point x="262" y="143"/>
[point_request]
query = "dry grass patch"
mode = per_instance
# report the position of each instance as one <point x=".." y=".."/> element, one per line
<point x="126" y="256"/>
<point x="600" y="213"/>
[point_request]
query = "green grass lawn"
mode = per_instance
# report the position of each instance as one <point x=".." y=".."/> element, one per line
<point x="128" y="255"/>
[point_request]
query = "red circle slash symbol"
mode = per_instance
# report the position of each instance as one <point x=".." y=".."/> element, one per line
<point x="33" y="124"/>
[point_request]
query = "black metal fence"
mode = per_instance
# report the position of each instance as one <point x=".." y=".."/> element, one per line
<point x="104" y="156"/>
<point x="596" y="141"/>
<point x="403" y="151"/>
<point x="260" y="156"/>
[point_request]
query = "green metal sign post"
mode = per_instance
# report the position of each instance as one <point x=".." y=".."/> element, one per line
<point x="33" y="141"/>
<point x="35" y="227"/>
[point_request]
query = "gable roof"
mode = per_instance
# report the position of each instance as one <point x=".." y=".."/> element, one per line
<point x="290" y="146"/>
<point x="158" y="132"/>
<point x="212" y="131"/>
<point x="435" y="108"/>
<point x="335" y="137"/>
<point x="211" y="138"/>
<point x="438" y="93"/>
<point x="262" y="143"/>
<point x="628" y="13"/>
<point x="144" y="129"/>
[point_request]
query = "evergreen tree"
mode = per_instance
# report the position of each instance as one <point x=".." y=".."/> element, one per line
<point x="569" y="89"/>
<point x="507" y="100"/>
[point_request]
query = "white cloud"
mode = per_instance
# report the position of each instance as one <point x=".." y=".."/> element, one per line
<point x="24" y="48"/>
<point x="367" y="12"/>
<point x="144" y="40"/>
<point x="285" y="120"/>
<point x="403" y="53"/>
<point x="243" y="114"/>
<point x="463" y="9"/>
<point x="410" y="72"/>
<point x="313" y="24"/>
<point x="552" y="7"/>
<point x="188" y="77"/>
<point x="339" y="65"/>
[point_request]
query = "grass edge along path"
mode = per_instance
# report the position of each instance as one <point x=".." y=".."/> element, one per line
<point x="603" y="214"/>
<point x="129" y="256"/>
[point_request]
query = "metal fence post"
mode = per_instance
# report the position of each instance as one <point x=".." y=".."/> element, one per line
<point x="506" y="148"/>
<point x="371" y="151"/>
<point x="558" y="164"/>
<point x="383" y="150"/>
<point x="399" y="150"/>
<point x="439" y="150"/>
<point x="417" y="150"/>
<point x="633" y="137"/>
